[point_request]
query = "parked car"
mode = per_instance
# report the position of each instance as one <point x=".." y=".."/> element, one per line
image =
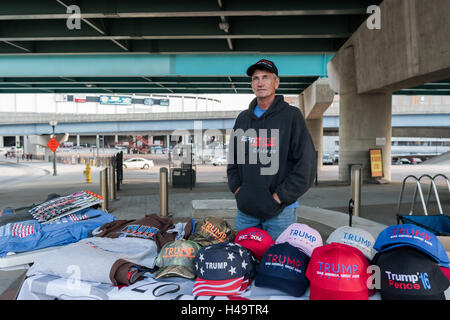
<point x="220" y="161"/>
<point x="416" y="160"/>
<point x="403" y="161"/>
<point x="336" y="156"/>
<point x="327" y="159"/>
<point x="138" y="163"/>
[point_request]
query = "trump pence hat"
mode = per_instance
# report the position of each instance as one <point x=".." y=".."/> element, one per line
<point x="410" y="274"/>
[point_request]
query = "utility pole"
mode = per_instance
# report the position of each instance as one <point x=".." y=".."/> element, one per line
<point x="53" y="123"/>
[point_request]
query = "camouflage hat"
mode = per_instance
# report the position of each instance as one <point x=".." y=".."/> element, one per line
<point x="213" y="230"/>
<point x="176" y="259"/>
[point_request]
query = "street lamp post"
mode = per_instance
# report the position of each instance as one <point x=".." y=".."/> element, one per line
<point x="53" y="123"/>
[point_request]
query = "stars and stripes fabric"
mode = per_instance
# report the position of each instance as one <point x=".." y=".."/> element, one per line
<point x="230" y="287"/>
<point x="223" y="269"/>
<point x="21" y="230"/>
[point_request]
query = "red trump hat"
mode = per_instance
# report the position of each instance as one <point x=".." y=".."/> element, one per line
<point x="338" y="272"/>
<point x="254" y="239"/>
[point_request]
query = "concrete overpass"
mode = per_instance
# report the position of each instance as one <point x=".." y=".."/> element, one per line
<point x="426" y="120"/>
<point x="12" y="124"/>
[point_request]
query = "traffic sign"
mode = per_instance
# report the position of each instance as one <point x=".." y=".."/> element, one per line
<point x="53" y="144"/>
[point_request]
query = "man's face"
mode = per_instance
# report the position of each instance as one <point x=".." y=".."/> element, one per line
<point x="264" y="83"/>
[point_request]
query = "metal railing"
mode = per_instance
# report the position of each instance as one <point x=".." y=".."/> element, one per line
<point x="418" y="190"/>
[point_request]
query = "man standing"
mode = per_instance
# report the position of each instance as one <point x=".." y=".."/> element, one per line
<point x="272" y="159"/>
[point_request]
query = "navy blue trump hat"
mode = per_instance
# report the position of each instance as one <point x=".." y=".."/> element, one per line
<point x="223" y="269"/>
<point x="283" y="267"/>
<point x="263" y="64"/>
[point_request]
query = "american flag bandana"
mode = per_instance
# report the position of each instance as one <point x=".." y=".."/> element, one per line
<point x="21" y="230"/>
<point x="230" y="287"/>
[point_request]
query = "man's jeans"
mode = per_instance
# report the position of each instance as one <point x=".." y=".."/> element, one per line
<point x="273" y="226"/>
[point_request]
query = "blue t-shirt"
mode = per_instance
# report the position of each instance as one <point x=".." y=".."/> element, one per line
<point x="259" y="112"/>
<point x="31" y="235"/>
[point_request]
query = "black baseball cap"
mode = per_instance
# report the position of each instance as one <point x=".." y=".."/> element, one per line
<point x="410" y="274"/>
<point x="263" y="64"/>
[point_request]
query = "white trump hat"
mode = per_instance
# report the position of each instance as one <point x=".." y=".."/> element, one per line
<point x="355" y="237"/>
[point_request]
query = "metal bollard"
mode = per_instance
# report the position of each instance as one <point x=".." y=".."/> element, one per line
<point x="356" y="182"/>
<point x="104" y="188"/>
<point x="163" y="192"/>
<point x="111" y="182"/>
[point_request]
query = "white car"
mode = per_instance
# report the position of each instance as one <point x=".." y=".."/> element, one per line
<point x="219" y="161"/>
<point x="140" y="163"/>
<point x="327" y="159"/>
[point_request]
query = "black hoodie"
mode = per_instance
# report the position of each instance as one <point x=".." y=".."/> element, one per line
<point x="290" y="178"/>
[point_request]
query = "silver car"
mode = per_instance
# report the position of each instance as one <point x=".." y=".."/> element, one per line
<point x="219" y="161"/>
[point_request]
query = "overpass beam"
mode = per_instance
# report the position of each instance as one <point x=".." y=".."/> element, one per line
<point x="410" y="48"/>
<point x="314" y="101"/>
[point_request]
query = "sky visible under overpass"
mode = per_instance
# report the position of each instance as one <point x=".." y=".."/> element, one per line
<point x="172" y="47"/>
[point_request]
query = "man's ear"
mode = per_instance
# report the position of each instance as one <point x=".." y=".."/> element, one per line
<point x="277" y="82"/>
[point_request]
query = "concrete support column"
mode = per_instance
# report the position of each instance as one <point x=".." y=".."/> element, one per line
<point x="315" y="127"/>
<point x="150" y="143"/>
<point x="2" y="142"/>
<point x="27" y="146"/>
<point x="97" y="142"/>
<point x="313" y="102"/>
<point x="78" y="140"/>
<point x="362" y="119"/>
<point x="150" y="139"/>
